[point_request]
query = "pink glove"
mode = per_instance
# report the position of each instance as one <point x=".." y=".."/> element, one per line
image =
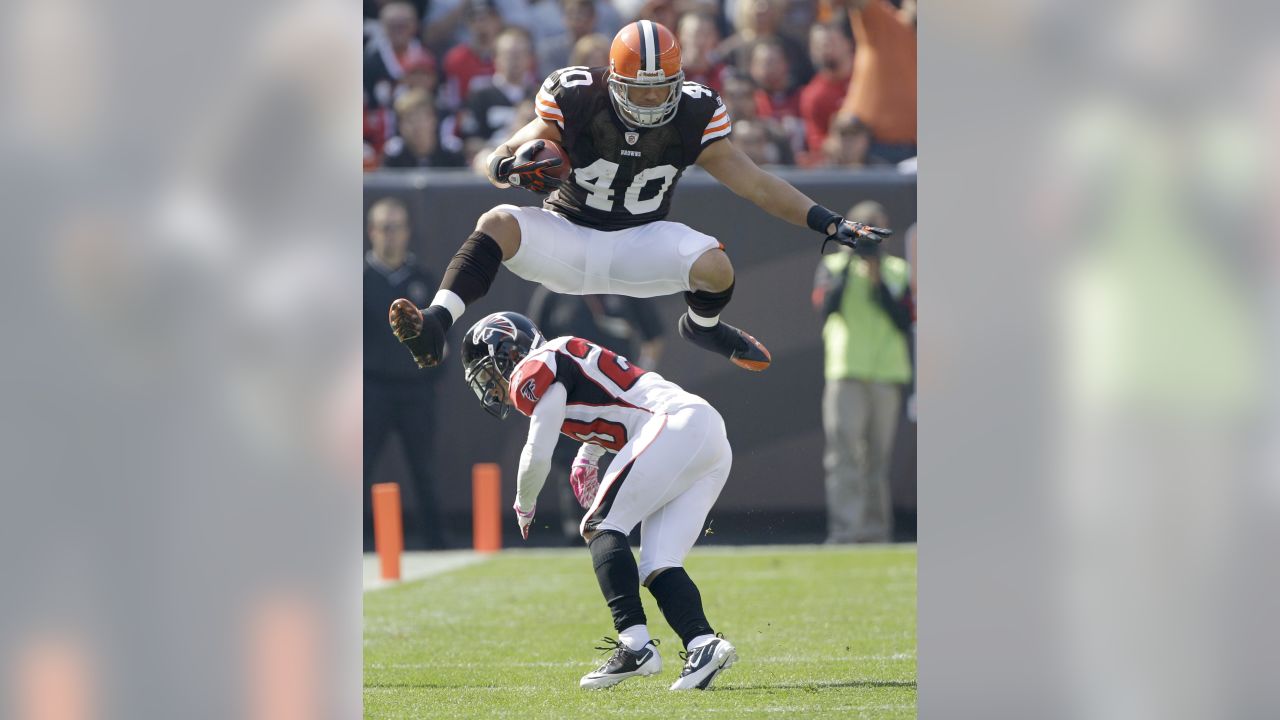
<point x="585" y="480"/>
<point x="524" y="519"/>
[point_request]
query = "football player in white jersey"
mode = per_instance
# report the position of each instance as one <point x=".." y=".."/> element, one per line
<point x="672" y="460"/>
<point x="629" y="130"/>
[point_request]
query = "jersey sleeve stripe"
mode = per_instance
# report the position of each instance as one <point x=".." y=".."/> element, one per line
<point x="546" y="99"/>
<point x="708" y="137"/>
<point x="721" y="114"/>
<point x="552" y="118"/>
<point x="716" y="127"/>
<point x="553" y="112"/>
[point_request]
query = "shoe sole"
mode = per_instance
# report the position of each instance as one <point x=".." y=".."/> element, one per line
<point x="753" y="365"/>
<point x="728" y="659"/>
<point x="608" y="681"/>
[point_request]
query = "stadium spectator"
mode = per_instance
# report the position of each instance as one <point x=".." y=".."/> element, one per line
<point x="752" y="138"/>
<point x="774" y="98"/>
<point x="882" y="90"/>
<point x="451" y="22"/>
<point x="866" y="305"/>
<point x="422" y="74"/>
<point x="468" y="66"/>
<point x="397" y="397"/>
<point x="490" y="109"/>
<point x="847" y="144"/>
<point x="739" y="97"/>
<point x="663" y="12"/>
<point x="633" y="330"/>
<point x="821" y="98"/>
<point x="418" y="143"/>
<point x="699" y="38"/>
<point x="579" y="21"/>
<point x="757" y="21"/>
<point x="390" y="51"/>
<point x="591" y="51"/>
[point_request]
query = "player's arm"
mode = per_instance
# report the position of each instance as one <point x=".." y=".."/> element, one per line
<point x="535" y="458"/>
<point x="780" y="198"/>
<point x="502" y="163"/>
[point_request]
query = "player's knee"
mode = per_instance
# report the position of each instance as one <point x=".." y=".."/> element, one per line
<point x="503" y="228"/>
<point x="651" y="575"/>
<point x="711" y="272"/>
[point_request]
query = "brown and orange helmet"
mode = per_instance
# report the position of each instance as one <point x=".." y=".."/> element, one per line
<point x="645" y="54"/>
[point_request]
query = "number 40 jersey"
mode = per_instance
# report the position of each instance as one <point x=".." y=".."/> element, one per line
<point x="609" y="399"/>
<point x="623" y="176"/>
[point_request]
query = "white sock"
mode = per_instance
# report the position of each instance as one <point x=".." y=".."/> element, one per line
<point x="700" y="641"/>
<point x="704" y="321"/>
<point x="451" y="302"/>
<point x="634" y="637"/>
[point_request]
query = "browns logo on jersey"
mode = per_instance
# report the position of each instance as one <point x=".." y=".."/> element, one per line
<point x="623" y="176"/>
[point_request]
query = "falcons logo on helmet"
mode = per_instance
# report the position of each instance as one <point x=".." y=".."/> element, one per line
<point x="493" y="329"/>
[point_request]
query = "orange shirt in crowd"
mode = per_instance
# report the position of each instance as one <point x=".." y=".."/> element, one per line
<point x="882" y="92"/>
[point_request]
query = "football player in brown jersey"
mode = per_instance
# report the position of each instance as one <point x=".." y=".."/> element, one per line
<point x="629" y="131"/>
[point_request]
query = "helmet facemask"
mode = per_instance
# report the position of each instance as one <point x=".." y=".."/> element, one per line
<point x="640" y="115"/>
<point x="490" y="386"/>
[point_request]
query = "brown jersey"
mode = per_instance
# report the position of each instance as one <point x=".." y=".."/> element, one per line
<point x="623" y="176"/>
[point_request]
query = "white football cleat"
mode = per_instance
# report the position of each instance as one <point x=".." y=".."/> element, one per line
<point x="703" y="663"/>
<point x="622" y="664"/>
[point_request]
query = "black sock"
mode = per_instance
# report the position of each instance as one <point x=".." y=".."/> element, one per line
<point x="708" y="304"/>
<point x="618" y="576"/>
<point x="473" y="268"/>
<point x="681" y="604"/>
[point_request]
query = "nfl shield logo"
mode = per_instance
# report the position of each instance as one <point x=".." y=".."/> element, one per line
<point x="632" y="137"/>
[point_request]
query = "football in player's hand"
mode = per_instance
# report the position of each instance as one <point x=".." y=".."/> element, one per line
<point x="549" y="150"/>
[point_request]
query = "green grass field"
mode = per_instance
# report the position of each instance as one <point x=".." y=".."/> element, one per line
<point x="820" y="633"/>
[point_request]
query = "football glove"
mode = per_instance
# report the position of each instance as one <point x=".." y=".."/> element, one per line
<point x="859" y="236"/>
<point x="584" y="477"/>
<point x="521" y="169"/>
<point x="524" y="519"/>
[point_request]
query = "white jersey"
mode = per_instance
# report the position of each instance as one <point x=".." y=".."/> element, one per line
<point x="609" y="399"/>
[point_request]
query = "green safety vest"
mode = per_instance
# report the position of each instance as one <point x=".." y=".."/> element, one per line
<point x="861" y="340"/>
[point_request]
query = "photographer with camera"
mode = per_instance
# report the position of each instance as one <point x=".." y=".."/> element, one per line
<point x="865" y="301"/>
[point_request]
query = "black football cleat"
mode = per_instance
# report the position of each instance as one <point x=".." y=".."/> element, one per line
<point x="727" y="340"/>
<point x="427" y="346"/>
<point x="622" y="664"/>
<point x="703" y="663"/>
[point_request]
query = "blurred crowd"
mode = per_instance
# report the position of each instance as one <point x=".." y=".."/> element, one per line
<point x="810" y="83"/>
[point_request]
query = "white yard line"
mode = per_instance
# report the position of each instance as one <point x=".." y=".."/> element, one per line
<point x="416" y="565"/>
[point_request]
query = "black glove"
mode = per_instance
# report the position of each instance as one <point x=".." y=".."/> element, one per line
<point x="521" y="169"/>
<point x="859" y="236"/>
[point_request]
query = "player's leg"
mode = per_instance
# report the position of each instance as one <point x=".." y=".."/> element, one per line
<point x="535" y="244"/>
<point x="667" y="535"/>
<point x="711" y="281"/>
<point x="661" y="258"/>
<point x="470" y="273"/>
<point x="619" y="505"/>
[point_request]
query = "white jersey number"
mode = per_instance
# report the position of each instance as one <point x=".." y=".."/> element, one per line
<point x="597" y="179"/>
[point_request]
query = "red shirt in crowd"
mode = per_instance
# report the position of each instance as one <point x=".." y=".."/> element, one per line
<point x="461" y="68"/>
<point x="777" y="105"/>
<point x="819" y="100"/>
